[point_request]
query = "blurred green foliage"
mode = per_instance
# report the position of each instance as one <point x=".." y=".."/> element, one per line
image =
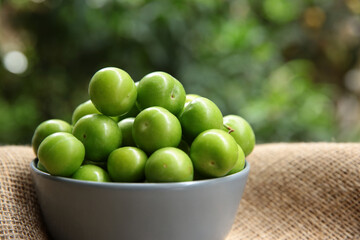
<point x="280" y="64"/>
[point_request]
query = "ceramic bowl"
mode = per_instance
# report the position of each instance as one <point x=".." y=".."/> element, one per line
<point x="197" y="210"/>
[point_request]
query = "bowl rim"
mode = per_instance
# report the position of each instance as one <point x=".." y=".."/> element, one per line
<point x="141" y="185"/>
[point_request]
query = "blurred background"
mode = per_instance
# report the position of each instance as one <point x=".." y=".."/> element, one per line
<point x="291" y="68"/>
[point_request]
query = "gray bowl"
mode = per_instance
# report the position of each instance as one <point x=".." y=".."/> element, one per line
<point x="197" y="210"/>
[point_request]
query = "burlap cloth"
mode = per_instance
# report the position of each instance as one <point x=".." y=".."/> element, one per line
<point x="294" y="191"/>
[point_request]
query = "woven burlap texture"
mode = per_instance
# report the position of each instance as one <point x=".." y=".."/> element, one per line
<point x="20" y="215"/>
<point x="294" y="191"/>
<point x="301" y="191"/>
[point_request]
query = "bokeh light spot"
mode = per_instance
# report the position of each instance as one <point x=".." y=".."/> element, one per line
<point x="282" y="11"/>
<point x="15" y="62"/>
<point x="353" y="5"/>
<point x="314" y="17"/>
<point x="352" y="80"/>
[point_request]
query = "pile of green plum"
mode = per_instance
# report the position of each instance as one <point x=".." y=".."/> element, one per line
<point x="148" y="131"/>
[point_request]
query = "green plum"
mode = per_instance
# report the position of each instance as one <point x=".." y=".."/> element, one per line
<point x="103" y="165"/>
<point x="190" y="97"/>
<point x="112" y="91"/>
<point x="87" y="108"/>
<point x="134" y="111"/>
<point x="126" y="126"/>
<point x="240" y="163"/>
<point x="47" y="128"/>
<point x="155" y="128"/>
<point x="127" y="164"/>
<point x="99" y="134"/>
<point x="169" y="165"/>
<point x="84" y="109"/>
<point x="241" y="131"/>
<point x="116" y="118"/>
<point x="163" y="90"/>
<point x="91" y="172"/>
<point x="199" y="115"/>
<point x="61" y="154"/>
<point x="214" y="153"/>
<point x="41" y="167"/>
